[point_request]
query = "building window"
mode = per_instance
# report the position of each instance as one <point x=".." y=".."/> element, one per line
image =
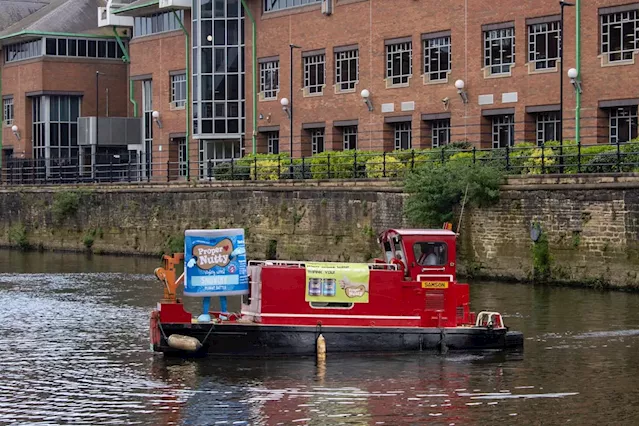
<point x="55" y="127"/>
<point x="7" y="111"/>
<point x="399" y="67"/>
<point x="437" y="58"/>
<point x="83" y="48"/>
<point x="347" y="70"/>
<point x="499" y="50"/>
<point x="623" y="124"/>
<point x="543" y="45"/>
<point x="619" y="34"/>
<point x="314" y="74"/>
<point x="157" y="23"/>
<point x="350" y="137"/>
<point x="271" y="5"/>
<point x="178" y="90"/>
<point x="147" y="116"/>
<point x="269" y="83"/>
<point x="547" y="127"/>
<point x="402" y="135"/>
<point x="502" y="130"/>
<point x="440" y="132"/>
<point x="317" y="141"/>
<point x="218" y="70"/>
<point x="273" y="142"/>
<point x="182" y="157"/>
<point x="22" y="51"/>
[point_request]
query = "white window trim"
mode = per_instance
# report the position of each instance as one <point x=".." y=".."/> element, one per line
<point x="405" y="46"/>
<point x="356" y="81"/>
<point x="309" y="61"/>
<point x="426" y="75"/>
<point x="487" y="68"/>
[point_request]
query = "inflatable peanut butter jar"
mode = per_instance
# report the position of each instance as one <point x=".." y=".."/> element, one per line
<point x="215" y="263"/>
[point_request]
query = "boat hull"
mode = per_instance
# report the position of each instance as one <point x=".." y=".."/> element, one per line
<point x="253" y="340"/>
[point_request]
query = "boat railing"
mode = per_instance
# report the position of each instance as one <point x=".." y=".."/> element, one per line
<point x="294" y="263"/>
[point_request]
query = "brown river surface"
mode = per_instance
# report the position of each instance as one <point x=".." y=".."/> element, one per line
<point x="74" y="350"/>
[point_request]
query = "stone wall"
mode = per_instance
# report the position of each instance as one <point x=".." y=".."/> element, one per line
<point x="592" y="223"/>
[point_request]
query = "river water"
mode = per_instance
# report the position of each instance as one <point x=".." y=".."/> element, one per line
<point x="74" y="349"/>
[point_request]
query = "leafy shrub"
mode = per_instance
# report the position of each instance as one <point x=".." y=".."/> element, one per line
<point x="379" y="166"/>
<point x="435" y="191"/>
<point x="65" y="204"/>
<point x="18" y="236"/>
<point x="336" y="165"/>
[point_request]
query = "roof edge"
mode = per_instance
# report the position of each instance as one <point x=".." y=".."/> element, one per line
<point x="137" y="6"/>
<point x="49" y="33"/>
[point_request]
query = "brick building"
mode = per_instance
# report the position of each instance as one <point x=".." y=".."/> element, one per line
<point x="435" y="72"/>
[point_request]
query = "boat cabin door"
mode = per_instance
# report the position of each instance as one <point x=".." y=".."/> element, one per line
<point x="394" y="252"/>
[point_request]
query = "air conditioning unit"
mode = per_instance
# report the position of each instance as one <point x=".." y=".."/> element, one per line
<point x="327" y="7"/>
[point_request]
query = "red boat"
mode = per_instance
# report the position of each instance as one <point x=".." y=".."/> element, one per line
<point x="409" y="300"/>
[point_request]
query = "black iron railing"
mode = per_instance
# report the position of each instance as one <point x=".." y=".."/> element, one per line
<point x="520" y="159"/>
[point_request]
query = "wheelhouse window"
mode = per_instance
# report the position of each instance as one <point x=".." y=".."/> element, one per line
<point x="269" y="79"/>
<point x="314" y="77"/>
<point x="157" y="23"/>
<point x="502" y="130"/>
<point x="437" y="57"/>
<point x="346" y="70"/>
<point x="543" y="45"/>
<point x="499" y="50"/>
<point x="440" y="132"/>
<point x="7" y="111"/>
<point x="178" y="90"/>
<point x="623" y="124"/>
<point x="402" y="135"/>
<point x="547" y="127"/>
<point x="430" y="253"/>
<point x="399" y="66"/>
<point x="273" y="142"/>
<point x="317" y="141"/>
<point x="272" y="5"/>
<point x="619" y="35"/>
<point x="350" y="137"/>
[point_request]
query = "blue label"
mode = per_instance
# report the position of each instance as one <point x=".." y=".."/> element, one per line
<point x="215" y="266"/>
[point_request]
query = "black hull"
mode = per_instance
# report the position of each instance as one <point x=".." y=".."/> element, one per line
<point x="262" y="341"/>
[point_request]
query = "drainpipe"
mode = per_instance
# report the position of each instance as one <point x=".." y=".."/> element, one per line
<point x="578" y="68"/>
<point x="187" y="106"/>
<point x="254" y="61"/>
<point x="127" y="60"/>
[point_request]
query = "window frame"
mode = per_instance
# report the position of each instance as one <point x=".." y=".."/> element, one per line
<point x="544" y="29"/>
<point x="397" y="52"/>
<point x="273" y="142"/>
<point x="347" y="59"/>
<point x="178" y="87"/>
<point x="155" y="23"/>
<point x="400" y="129"/>
<point x="270" y="72"/>
<point x="614" y="129"/>
<point x="436" y="127"/>
<point x="289" y="4"/>
<point x="493" y="38"/>
<point x="623" y="17"/>
<point x="317" y="140"/>
<point x="349" y="137"/>
<point x="8" y="109"/>
<point x="542" y="120"/>
<point x="497" y="123"/>
<point x="23" y="50"/>
<point x="317" y="63"/>
<point x="432" y="48"/>
<point x="439" y="243"/>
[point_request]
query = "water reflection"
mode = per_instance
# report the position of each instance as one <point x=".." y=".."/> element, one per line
<point x="74" y="349"/>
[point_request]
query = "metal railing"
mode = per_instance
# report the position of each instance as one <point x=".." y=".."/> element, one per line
<point x="552" y="158"/>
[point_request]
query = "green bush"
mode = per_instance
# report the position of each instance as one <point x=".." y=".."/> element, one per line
<point x="65" y="204"/>
<point x="434" y="192"/>
<point x="18" y="236"/>
<point x="337" y="165"/>
<point x="379" y="166"/>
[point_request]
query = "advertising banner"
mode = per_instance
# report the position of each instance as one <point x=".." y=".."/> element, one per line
<point x="337" y="282"/>
<point x="215" y="263"/>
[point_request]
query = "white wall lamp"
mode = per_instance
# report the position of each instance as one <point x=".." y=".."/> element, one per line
<point x="573" y="76"/>
<point x="366" y="97"/>
<point x="15" y="131"/>
<point x="285" y="106"/>
<point x="463" y="93"/>
<point x="156" y="118"/>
